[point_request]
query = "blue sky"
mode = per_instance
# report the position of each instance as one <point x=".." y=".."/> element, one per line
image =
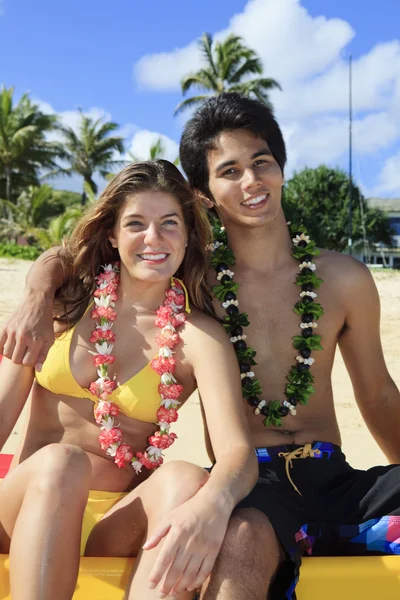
<point x="123" y="60"/>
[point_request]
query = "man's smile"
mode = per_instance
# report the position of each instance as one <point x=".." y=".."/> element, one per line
<point x="256" y="201"/>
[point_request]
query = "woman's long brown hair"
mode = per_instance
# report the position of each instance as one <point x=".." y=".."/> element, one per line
<point x="89" y="247"/>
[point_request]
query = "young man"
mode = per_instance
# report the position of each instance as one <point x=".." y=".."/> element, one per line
<point x="308" y="499"/>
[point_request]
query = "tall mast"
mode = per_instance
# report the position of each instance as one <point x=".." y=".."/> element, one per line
<point x="350" y="234"/>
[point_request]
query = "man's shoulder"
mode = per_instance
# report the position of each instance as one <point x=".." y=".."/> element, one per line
<point x="340" y="265"/>
<point x="344" y="272"/>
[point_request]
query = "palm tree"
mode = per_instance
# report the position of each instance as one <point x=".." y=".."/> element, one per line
<point x="229" y="67"/>
<point x="157" y="150"/>
<point x="24" y="150"/>
<point x="90" y="150"/>
<point x="58" y="229"/>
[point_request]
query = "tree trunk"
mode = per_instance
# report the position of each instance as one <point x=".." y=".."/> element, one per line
<point x="89" y="181"/>
<point x="92" y="185"/>
<point x="8" y="183"/>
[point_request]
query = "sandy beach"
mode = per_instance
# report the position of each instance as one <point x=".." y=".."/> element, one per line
<point x="358" y="444"/>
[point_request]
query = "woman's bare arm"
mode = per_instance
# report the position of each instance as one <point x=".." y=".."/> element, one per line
<point x="218" y="379"/>
<point x="194" y="532"/>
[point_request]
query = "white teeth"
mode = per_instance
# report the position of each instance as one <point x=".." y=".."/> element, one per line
<point x="153" y="256"/>
<point x="254" y="200"/>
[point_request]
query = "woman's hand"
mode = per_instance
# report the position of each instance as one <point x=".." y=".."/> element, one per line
<point x="193" y="534"/>
<point x="28" y="334"/>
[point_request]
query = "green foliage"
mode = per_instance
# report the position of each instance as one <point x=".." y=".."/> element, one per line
<point x="302" y="392"/>
<point x="254" y="389"/>
<point x="58" y="229"/>
<point x="219" y="291"/>
<point x="24" y="149"/>
<point x="300" y="385"/>
<point x="299" y="378"/>
<point x="313" y="342"/>
<point x="222" y="255"/>
<point x="240" y="319"/>
<point x="33" y="208"/>
<point x="273" y="418"/>
<point x="229" y="67"/>
<point x="248" y="354"/>
<point x="320" y="199"/>
<point x="313" y="308"/>
<point x="310" y="249"/>
<point x="10" y="250"/>
<point x="67" y="198"/>
<point x="310" y="278"/>
<point x="40" y="216"/>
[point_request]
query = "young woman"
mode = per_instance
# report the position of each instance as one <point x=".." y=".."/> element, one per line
<point x="132" y="345"/>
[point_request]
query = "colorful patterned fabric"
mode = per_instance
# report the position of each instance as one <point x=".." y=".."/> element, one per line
<point x="376" y="536"/>
<point x="340" y="511"/>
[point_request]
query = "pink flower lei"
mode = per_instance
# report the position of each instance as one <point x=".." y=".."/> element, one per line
<point x="169" y="316"/>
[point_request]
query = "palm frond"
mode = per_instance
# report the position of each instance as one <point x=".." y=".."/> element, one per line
<point x="203" y="79"/>
<point x="206" y="43"/>
<point x="24" y="150"/>
<point x="250" y="66"/>
<point x="157" y="150"/>
<point x="230" y="65"/>
<point x="268" y="83"/>
<point x="90" y="148"/>
<point x="188" y="102"/>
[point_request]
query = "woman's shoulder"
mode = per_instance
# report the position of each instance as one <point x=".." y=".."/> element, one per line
<point x="199" y="325"/>
<point x="206" y="345"/>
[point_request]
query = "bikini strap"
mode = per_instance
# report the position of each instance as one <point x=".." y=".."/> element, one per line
<point x="187" y="304"/>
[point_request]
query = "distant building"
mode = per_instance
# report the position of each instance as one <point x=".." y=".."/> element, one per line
<point x="380" y="255"/>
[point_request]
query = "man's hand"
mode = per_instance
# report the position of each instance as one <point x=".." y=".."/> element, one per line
<point x="193" y="536"/>
<point x="27" y="335"/>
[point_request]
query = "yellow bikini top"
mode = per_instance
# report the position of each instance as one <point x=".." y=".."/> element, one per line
<point x="137" y="398"/>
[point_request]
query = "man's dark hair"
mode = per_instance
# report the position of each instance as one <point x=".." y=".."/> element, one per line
<point x="228" y="111"/>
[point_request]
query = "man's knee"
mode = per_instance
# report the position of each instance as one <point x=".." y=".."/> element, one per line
<point x="248" y="560"/>
<point x="251" y="537"/>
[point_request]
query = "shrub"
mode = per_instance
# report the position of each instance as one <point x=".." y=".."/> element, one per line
<point x="15" y="251"/>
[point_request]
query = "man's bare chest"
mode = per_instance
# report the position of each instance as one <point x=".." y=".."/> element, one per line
<point x="269" y="304"/>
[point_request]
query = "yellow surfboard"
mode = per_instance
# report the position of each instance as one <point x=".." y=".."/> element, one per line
<point x="350" y="578"/>
<point x="344" y="578"/>
<point x="99" y="578"/>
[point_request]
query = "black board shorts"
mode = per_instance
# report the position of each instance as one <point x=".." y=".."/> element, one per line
<point x="319" y="505"/>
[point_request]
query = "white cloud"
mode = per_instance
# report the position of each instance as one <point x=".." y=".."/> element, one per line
<point x="144" y="139"/>
<point x="1" y="8"/>
<point x="164" y="71"/>
<point x="325" y="139"/>
<point x="45" y="107"/>
<point x="291" y="43"/>
<point x="71" y="118"/>
<point x="304" y="53"/>
<point x="309" y="57"/>
<point x="389" y="178"/>
<point x="375" y="77"/>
